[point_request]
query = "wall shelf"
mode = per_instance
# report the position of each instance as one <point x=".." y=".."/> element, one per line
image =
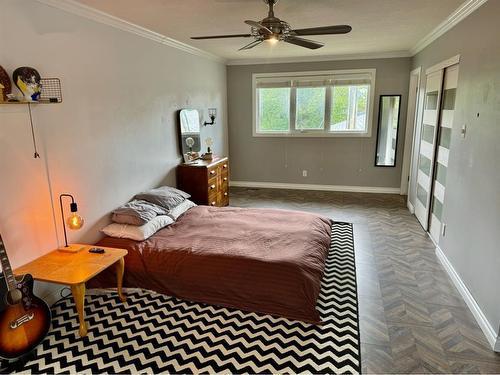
<point x="27" y="102"/>
<point x="51" y="93"/>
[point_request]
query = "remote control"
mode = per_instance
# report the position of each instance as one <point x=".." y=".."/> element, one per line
<point x="96" y="250"/>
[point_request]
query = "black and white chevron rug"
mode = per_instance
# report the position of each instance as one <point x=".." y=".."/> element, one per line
<point x="155" y="333"/>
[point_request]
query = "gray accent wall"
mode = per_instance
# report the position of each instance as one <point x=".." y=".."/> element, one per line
<point x="472" y="204"/>
<point x="329" y="161"/>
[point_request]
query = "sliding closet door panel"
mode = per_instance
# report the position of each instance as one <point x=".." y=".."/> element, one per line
<point x="443" y="150"/>
<point x="433" y="89"/>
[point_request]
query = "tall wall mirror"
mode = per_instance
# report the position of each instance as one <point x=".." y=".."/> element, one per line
<point x="387" y="135"/>
<point x="190" y="138"/>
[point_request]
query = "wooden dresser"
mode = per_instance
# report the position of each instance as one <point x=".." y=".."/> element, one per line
<point x="206" y="181"/>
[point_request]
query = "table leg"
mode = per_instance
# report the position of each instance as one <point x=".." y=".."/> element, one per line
<point x="78" y="291"/>
<point x="120" y="270"/>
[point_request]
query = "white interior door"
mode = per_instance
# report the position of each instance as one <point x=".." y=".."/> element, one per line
<point x="430" y="118"/>
<point x="447" y="111"/>
<point x="408" y="177"/>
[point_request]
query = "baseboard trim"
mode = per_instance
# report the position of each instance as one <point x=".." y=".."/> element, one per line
<point x="291" y="186"/>
<point x="485" y="325"/>
<point x="410" y="207"/>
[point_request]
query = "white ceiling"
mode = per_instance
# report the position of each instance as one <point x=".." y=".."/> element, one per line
<point x="379" y="26"/>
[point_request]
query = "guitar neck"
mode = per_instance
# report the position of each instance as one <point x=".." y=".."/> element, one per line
<point x="6" y="268"/>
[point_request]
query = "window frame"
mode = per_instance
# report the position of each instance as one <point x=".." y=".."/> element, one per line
<point x="325" y="132"/>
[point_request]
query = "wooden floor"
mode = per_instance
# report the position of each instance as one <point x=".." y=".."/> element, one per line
<point x="412" y="318"/>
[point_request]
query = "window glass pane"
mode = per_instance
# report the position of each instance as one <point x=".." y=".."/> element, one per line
<point x="422" y="195"/>
<point x="445" y="137"/>
<point x="274" y="109"/>
<point x="425" y="165"/>
<point x="349" y="108"/>
<point x="310" y="108"/>
<point x="428" y="133"/>
<point x="437" y="208"/>
<point x="431" y="100"/>
<point x="449" y="99"/>
<point x="441" y="174"/>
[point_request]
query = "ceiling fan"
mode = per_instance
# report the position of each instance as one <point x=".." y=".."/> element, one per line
<point x="272" y="29"/>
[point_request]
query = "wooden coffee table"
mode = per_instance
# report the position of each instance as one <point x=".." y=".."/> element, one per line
<point x="74" y="270"/>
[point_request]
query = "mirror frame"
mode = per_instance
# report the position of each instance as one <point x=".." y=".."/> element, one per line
<point x="378" y="129"/>
<point x="179" y="129"/>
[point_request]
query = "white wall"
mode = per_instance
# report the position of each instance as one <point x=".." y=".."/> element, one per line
<point x="113" y="135"/>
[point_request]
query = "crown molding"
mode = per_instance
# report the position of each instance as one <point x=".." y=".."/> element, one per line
<point x="454" y="18"/>
<point x="299" y="59"/>
<point x="93" y="14"/>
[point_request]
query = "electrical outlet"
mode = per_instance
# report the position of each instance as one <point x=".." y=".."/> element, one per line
<point x="304" y="173"/>
<point x="443" y="229"/>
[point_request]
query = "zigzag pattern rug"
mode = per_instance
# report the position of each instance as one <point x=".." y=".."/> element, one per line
<point x="156" y="333"/>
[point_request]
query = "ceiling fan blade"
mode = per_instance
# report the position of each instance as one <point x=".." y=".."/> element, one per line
<point x="222" y="36"/>
<point x="323" y="30"/>
<point x="251" y="45"/>
<point x="311" y="44"/>
<point x="259" y="26"/>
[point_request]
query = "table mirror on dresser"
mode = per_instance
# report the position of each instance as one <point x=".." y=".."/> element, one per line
<point x="189" y="133"/>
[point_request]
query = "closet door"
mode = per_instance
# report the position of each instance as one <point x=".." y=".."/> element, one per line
<point x="433" y="89"/>
<point x="443" y="149"/>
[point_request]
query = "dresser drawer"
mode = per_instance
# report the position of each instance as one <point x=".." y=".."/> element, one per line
<point x="224" y="198"/>
<point x="213" y="185"/>
<point x="212" y="172"/>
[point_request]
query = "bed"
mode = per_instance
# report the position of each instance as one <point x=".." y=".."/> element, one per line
<point x="260" y="260"/>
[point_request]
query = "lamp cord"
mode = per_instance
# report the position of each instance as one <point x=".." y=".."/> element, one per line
<point x="36" y="154"/>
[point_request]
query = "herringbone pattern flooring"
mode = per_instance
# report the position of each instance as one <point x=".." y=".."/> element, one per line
<point x="412" y="318"/>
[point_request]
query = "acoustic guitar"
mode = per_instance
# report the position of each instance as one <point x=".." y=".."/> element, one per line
<point x="24" y="318"/>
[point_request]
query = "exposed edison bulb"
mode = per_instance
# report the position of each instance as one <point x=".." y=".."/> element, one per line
<point x="74" y="221"/>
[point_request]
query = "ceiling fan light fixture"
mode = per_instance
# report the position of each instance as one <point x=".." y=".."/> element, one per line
<point x="272" y="30"/>
<point x="272" y="39"/>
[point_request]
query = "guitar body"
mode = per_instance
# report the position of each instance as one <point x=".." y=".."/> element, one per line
<point x="24" y="319"/>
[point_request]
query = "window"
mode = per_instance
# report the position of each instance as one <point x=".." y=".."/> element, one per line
<point x="335" y="103"/>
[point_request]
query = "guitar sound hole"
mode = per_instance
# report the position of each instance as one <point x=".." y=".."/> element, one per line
<point x="14" y="296"/>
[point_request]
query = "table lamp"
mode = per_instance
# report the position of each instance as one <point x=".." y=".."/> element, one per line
<point x="73" y="221"/>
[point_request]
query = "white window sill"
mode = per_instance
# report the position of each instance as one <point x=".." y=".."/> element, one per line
<point x="314" y="134"/>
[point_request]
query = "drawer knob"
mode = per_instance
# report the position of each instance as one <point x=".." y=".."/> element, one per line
<point x="212" y="187"/>
<point x="213" y="203"/>
<point x="224" y="166"/>
<point x="225" y="194"/>
<point x="225" y="178"/>
<point x="212" y="172"/>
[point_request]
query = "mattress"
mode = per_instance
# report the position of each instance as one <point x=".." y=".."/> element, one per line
<point x="260" y="260"/>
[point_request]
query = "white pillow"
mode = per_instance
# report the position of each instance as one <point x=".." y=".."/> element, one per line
<point x="178" y="210"/>
<point x="137" y="233"/>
